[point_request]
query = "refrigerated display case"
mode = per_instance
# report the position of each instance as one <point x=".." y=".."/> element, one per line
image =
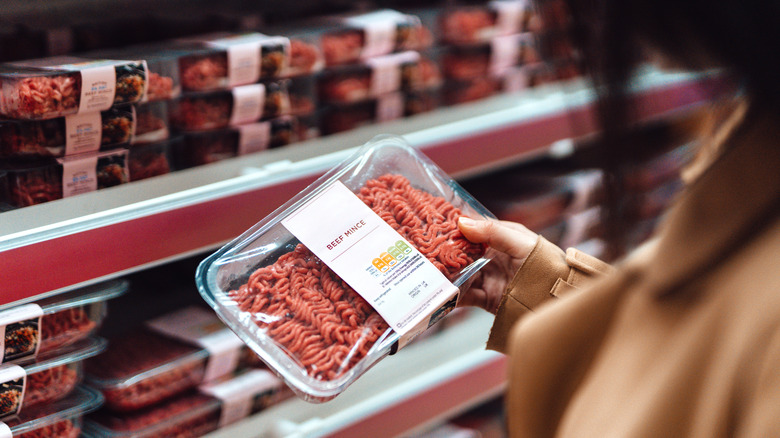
<point x="125" y="229"/>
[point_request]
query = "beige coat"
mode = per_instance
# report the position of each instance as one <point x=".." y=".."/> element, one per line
<point x="681" y="339"/>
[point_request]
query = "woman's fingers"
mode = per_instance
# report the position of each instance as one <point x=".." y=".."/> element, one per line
<point x="508" y="237"/>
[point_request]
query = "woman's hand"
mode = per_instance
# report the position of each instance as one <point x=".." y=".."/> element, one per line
<point x="512" y="242"/>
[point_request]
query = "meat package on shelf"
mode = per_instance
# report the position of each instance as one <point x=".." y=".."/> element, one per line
<point x="55" y="87"/>
<point x="204" y="147"/>
<point x="236" y="106"/>
<point x="64" y="136"/>
<point x="51" y="376"/>
<point x="25" y="184"/>
<point x="165" y="357"/>
<point x="479" y="23"/>
<point x="152" y="159"/>
<point x="195" y="412"/>
<point x="58" y="419"/>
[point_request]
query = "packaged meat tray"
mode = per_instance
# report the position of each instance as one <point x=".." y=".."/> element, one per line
<point x="69" y="135"/>
<point x="303" y="94"/>
<point x="250" y="56"/>
<point x="59" y="419"/>
<point x="151" y="159"/>
<point x="204" y="147"/>
<point x="237" y="106"/>
<point x="51" y="377"/>
<point x="421" y="101"/>
<point x="194" y="413"/>
<point x="492" y="58"/>
<point x="142" y="368"/>
<point x="344" y="117"/>
<point x="59" y="320"/>
<point x="307" y="127"/>
<point x="525" y="77"/>
<point x="165" y="357"/>
<point x="151" y="122"/>
<point x="372" y="34"/>
<point x="375" y="77"/>
<point x="60" y="86"/>
<point x="300" y="312"/>
<point x="455" y="92"/>
<point x="162" y="64"/>
<point x="26" y="184"/>
<point x="469" y="24"/>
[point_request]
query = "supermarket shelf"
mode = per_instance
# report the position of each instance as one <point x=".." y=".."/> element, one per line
<point x="425" y="383"/>
<point x="48" y="248"/>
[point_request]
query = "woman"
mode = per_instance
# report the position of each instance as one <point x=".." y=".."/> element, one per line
<point x="682" y="337"/>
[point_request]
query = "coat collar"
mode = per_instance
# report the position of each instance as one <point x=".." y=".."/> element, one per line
<point x="729" y="202"/>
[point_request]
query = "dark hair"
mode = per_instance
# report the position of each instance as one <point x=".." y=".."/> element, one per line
<point x="740" y="38"/>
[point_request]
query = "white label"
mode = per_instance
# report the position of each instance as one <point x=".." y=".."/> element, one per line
<point x="504" y="54"/>
<point x="253" y="137"/>
<point x="83" y="133"/>
<point x="509" y="15"/>
<point x="515" y="79"/>
<point x="98" y="86"/>
<point x="201" y="327"/>
<point x="243" y="63"/>
<point x="379" y="29"/>
<point x="393" y="276"/>
<point x="389" y="107"/>
<point x="248" y="102"/>
<point x="20" y="333"/>
<point x="239" y="393"/>
<point x="79" y="175"/>
<point x="5" y="431"/>
<point x="386" y="71"/>
<point x="12" y="386"/>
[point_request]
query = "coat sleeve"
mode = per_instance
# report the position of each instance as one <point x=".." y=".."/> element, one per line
<point x="548" y="272"/>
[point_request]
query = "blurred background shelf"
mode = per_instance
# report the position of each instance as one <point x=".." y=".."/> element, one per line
<point x="48" y="248"/>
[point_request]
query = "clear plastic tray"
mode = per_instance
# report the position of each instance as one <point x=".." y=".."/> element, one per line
<point x="51" y="377"/>
<point x="35" y="139"/>
<point x="152" y="159"/>
<point x="375" y="77"/>
<point x="219" y="109"/>
<point x="151" y="122"/>
<point x="142" y="368"/>
<point x="203" y="147"/>
<point x="73" y="316"/>
<point x="26" y="184"/>
<point x="161" y="61"/>
<point x="60" y="419"/>
<point x="318" y="365"/>
<point x="469" y="24"/>
<point x="189" y="414"/>
<point x="494" y="57"/>
<point x="51" y="87"/>
<point x="339" y="117"/>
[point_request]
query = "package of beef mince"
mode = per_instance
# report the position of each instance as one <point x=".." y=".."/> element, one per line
<point x="68" y="135"/>
<point x="237" y="106"/>
<point x="349" y="270"/>
<point x="60" y="86"/>
<point x="50" y="377"/>
<point x="36" y="182"/>
<point x="58" y="419"/>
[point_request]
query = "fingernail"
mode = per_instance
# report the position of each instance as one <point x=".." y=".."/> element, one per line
<point x="466" y="222"/>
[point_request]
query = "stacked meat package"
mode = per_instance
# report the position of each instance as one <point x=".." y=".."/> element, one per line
<point x="67" y="122"/>
<point x="181" y="374"/>
<point x="45" y="345"/>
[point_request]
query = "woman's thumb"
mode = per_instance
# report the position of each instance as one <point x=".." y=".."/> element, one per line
<point x="508" y="237"/>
